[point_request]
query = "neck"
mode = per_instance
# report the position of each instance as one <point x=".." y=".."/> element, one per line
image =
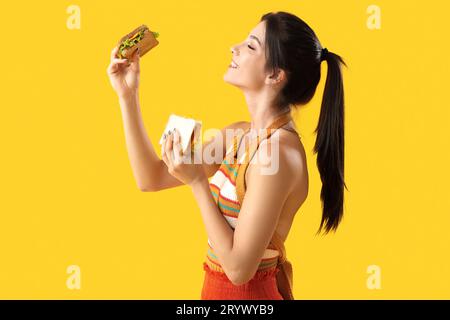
<point x="262" y="112"/>
<point x="262" y="118"/>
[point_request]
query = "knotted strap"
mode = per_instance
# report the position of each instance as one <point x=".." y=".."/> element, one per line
<point x="285" y="280"/>
<point x="285" y="276"/>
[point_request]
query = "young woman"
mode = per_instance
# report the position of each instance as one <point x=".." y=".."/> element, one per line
<point x="277" y="68"/>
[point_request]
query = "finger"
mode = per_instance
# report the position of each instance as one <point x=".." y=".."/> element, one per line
<point x="168" y="148"/>
<point x="166" y="161"/>
<point x="169" y="141"/>
<point x="112" y="68"/>
<point x="163" y="152"/>
<point x="116" y="60"/>
<point x="136" y="55"/>
<point x="114" y="65"/>
<point x="114" y="52"/>
<point x="135" y="60"/>
<point x="176" y="136"/>
<point x="177" y="150"/>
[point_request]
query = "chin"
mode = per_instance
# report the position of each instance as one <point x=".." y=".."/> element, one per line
<point x="230" y="79"/>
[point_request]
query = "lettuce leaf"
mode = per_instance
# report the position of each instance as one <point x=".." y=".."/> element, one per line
<point x="128" y="43"/>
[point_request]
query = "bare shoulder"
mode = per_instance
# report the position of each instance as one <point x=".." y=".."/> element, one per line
<point x="293" y="154"/>
<point x="284" y="154"/>
<point x="292" y="147"/>
<point x="292" y="144"/>
<point x="288" y="180"/>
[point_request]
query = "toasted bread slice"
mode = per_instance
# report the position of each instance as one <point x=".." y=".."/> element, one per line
<point x="147" y="42"/>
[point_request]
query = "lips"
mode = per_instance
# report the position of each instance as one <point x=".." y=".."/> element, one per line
<point x="233" y="64"/>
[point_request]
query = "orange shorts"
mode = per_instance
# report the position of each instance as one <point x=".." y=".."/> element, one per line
<point x="263" y="286"/>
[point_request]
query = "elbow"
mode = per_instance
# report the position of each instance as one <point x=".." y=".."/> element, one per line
<point x="239" y="278"/>
<point x="147" y="188"/>
<point x="238" y="281"/>
<point x="240" y="272"/>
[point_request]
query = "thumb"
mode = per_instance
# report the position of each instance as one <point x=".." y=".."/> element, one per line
<point x="134" y="61"/>
<point x="136" y="55"/>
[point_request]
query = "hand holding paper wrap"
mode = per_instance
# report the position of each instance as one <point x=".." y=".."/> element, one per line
<point x="189" y="130"/>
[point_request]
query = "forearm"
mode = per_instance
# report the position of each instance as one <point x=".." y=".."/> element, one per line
<point x="219" y="231"/>
<point x="143" y="158"/>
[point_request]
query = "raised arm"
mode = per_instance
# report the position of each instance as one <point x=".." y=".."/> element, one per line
<point x="150" y="172"/>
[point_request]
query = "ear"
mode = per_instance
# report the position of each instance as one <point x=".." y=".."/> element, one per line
<point x="277" y="77"/>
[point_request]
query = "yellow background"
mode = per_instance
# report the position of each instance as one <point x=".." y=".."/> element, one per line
<point x="68" y="196"/>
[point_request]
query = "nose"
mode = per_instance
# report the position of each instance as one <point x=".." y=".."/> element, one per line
<point x="233" y="49"/>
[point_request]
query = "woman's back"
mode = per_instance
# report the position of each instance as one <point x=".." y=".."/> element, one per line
<point x="288" y="136"/>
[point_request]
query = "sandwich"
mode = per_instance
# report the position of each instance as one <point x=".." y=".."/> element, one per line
<point x="141" y="38"/>
<point x="189" y="130"/>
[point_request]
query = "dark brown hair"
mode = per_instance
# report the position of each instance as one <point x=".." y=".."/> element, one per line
<point x="293" y="46"/>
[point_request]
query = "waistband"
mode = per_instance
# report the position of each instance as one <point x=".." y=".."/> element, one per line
<point x="260" y="275"/>
<point x="263" y="286"/>
<point x="266" y="265"/>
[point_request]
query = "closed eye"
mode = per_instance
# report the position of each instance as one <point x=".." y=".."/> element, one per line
<point x="251" y="47"/>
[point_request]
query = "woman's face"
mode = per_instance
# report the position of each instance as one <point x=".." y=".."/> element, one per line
<point x="250" y="58"/>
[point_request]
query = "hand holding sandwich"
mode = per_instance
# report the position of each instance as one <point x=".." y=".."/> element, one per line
<point x="124" y="73"/>
<point x="187" y="170"/>
<point x="124" y="69"/>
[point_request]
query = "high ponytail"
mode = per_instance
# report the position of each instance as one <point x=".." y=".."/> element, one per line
<point x="329" y="145"/>
<point x="293" y="46"/>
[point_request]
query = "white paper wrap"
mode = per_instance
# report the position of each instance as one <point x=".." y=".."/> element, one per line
<point x="186" y="127"/>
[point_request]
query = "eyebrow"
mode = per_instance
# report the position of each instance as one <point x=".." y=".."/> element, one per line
<point x="256" y="38"/>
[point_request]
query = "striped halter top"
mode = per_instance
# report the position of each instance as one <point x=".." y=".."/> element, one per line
<point x="225" y="186"/>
